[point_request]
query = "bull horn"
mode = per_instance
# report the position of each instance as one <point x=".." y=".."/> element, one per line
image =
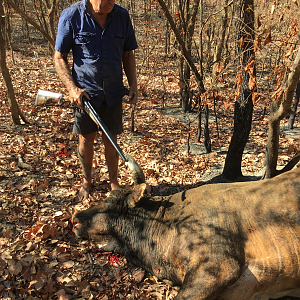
<point x="136" y="171"/>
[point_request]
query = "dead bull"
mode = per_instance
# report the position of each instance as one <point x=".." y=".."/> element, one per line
<point x="232" y="241"/>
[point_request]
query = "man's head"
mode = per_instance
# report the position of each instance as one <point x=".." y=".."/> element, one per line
<point x="102" y="6"/>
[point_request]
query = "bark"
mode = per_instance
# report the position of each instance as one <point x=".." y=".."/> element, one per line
<point x="294" y="108"/>
<point x="280" y="108"/>
<point x="185" y="91"/>
<point x="243" y="105"/>
<point x="199" y="123"/>
<point x="15" y="111"/>
<point x="207" y="141"/>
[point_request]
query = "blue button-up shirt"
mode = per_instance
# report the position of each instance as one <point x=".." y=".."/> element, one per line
<point x="97" y="52"/>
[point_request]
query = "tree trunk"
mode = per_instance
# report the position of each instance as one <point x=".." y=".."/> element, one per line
<point x="221" y="42"/>
<point x="294" y="108"/>
<point x="187" y="17"/>
<point x="207" y="141"/>
<point x="243" y="105"/>
<point x="185" y="91"/>
<point x="280" y="108"/>
<point x="15" y="111"/>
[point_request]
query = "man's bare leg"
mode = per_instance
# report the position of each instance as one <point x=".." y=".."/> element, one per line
<point x="86" y="154"/>
<point x="112" y="161"/>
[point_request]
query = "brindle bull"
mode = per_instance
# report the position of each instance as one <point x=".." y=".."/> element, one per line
<point x="228" y="241"/>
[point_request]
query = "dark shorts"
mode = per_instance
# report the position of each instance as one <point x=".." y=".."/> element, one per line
<point x="112" y="117"/>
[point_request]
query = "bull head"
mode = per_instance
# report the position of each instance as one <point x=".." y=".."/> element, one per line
<point x="94" y="223"/>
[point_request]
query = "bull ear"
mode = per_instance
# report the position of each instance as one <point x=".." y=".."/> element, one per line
<point x="115" y="198"/>
<point x="137" y="194"/>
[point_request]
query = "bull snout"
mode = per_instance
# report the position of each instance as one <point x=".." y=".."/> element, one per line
<point x="79" y="229"/>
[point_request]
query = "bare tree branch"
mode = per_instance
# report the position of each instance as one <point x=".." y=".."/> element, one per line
<point x="30" y="21"/>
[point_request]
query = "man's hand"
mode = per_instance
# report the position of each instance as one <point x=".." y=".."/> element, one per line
<point x="75" y="96"/>
<point x="132" y="97"/>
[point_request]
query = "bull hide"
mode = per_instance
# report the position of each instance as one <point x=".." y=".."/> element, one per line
<point x="227" y="241"/>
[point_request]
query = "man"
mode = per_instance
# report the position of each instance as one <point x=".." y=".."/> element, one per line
<point x="101" y="37"/>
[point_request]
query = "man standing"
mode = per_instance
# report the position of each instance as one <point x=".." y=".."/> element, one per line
<point x="101" y="37"/>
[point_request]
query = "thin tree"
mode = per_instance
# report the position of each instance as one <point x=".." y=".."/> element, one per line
<point x="187" y="56"/>
<point x="244" y="26"/>
<point x="280" y="108"/>
<point x="14" y="107"/>
<point x="294" y="107"/>
<point x="187" y="13"/>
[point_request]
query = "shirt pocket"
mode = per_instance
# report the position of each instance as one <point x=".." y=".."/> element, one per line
<point x="117" y="45"/>
<point x="86" y="43"/>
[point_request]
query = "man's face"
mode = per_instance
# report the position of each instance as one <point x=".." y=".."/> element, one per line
<point x="106" y="6"/>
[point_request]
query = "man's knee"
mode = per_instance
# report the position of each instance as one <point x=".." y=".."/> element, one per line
<point x="87" y="140"/>
<point x="107" y="143"/>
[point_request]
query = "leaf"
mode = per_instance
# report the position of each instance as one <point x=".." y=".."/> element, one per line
<point x="30" y="246"/>
<point x="252" y="83"/>
<point x="150" y="172"/>
<point x="257" y="44"/>
<point x="258" y="21"/>
<point x="43" y="185"/>
<point x="240" y="42"/>
<point x="14" y="268"/>
<point x="238" y="93"/>
<point x="8" y="234"/>
<point x="256" y="97"/>
<point x="21" y="187"/>
<point x="277" y="92"/>
<point x="6" y="255"/>
<point x="239" y="78"/>
<point x="181" y="84"/>
<point x="26" y="261"/>
<point x="139" y="275"/>
<point x="68" y="264"/>
<point x="291" y="51"/>
<point x="268" y="37"/>
<point x="273" y="9"/>
<point x="250" y="65"/>
<point x="61" y="294"/>
<point x="219" y="68"/>
<point x="281" y="18"/>
<point x="227" y="104"/>
<point x="292" y="149"/>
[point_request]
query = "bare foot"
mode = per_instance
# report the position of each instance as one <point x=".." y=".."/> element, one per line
<point x="84" y="191"/>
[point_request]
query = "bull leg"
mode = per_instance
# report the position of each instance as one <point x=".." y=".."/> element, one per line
<point x="209" y="280"/>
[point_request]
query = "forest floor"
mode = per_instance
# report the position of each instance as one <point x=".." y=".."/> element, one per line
<point x="39" y="256"/>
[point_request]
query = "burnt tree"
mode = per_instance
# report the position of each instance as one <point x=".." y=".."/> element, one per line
<point x="244" y="26"/>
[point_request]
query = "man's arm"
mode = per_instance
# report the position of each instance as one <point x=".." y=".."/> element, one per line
<point x="130" y="71"/>
<point x="63" y="71"/>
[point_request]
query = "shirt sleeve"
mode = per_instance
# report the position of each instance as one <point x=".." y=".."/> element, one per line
<point x="130" y="39"/>
<point x="64" y="37"/>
